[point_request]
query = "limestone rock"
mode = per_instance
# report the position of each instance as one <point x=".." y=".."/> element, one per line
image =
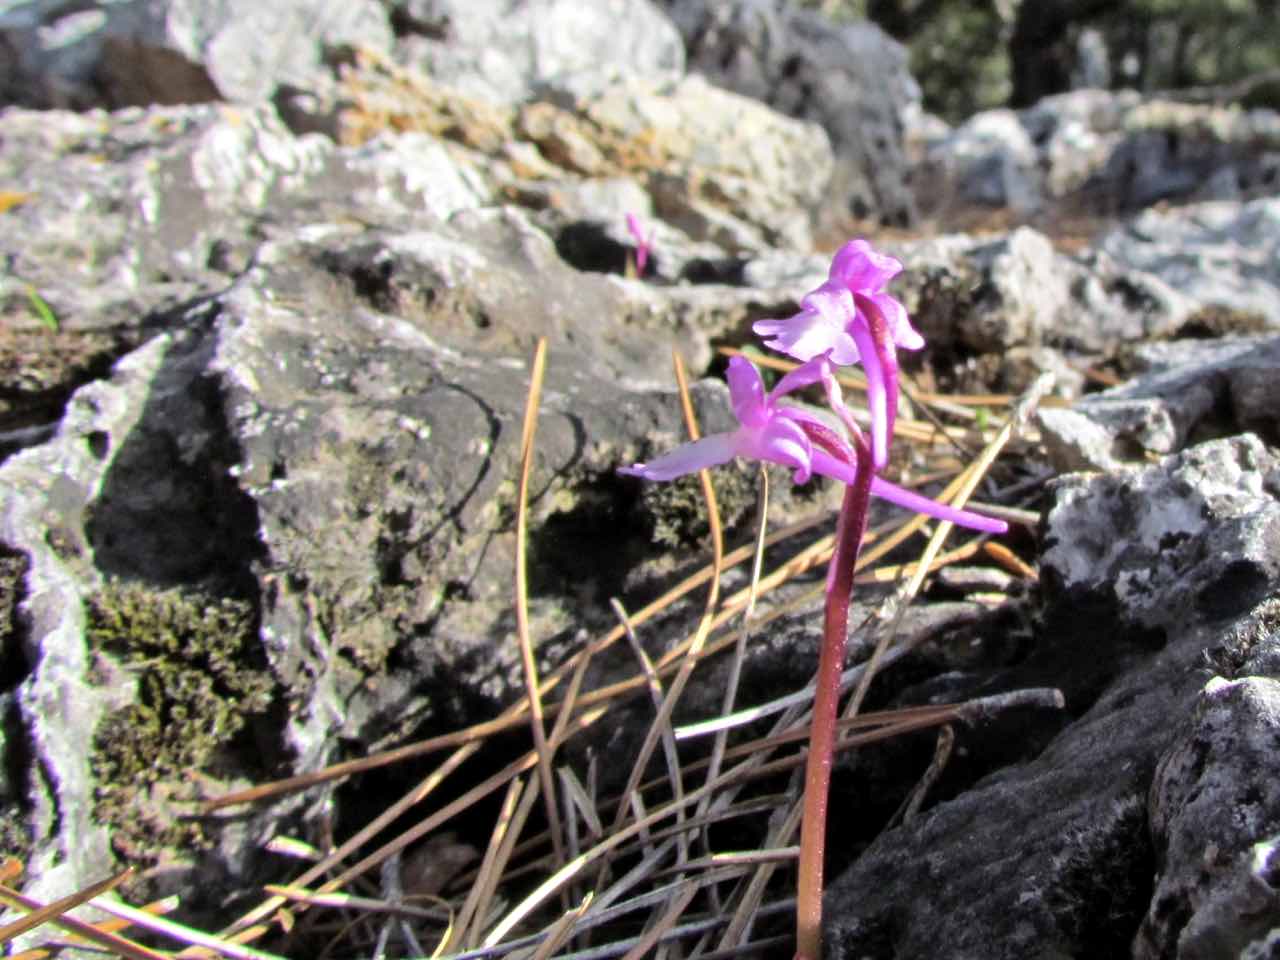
<point x="716" y="165"/>
<point x="852" y="79"/>
<point x="990" y="295"/>
<point x="1224" y="255"/>
<point x="1150" y="574"/>
<point x="1101" y="151"/>
<point x="140" y="52"/>
<point x="503" y="53"/>
<point x="1182" y="390"/>
<point x="1216" y="890"/>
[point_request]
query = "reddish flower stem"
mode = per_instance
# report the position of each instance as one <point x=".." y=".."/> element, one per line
<point x="822" y="734"/>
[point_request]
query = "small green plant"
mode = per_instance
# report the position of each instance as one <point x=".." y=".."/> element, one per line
<point x="44" y="313"/>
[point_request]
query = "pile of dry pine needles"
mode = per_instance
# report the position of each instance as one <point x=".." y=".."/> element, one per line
<point x="624" y="876"/>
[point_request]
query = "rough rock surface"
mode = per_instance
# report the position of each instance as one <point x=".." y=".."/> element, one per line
<point x="249" y="361"/>
<point x="1222" y="254"/>
<point x="506" y="53"/>
<point x="322" y="366"/>
<point x="1153" y="576"/>
<point x="1183" y="390"/>
<point x="178" y="51"/>
<point x="1104" y="151"/>
<point x="1216" y="894"/>
<point x="717" y="165"/>
<point x="852" y="79"/>
<point x="1018" y="291"/>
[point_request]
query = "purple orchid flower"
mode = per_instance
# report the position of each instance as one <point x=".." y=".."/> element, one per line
<point x="644" y="242"/>
<point x="792" y="437"/>
<point x="851" y="319"/>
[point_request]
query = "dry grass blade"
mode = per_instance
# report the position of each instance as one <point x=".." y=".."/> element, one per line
<point x="43" y="915"/>
<point x="941" y="754"/>
<point x="486" y="878"/>
<point x="668" y="920"/>
<point x="529" y="430"/>
<point x="452" y="809"/>
<point x="1009" y="560"/>
<point x="778" y="705"/>
<point x="485" y="902"/>
<point x="744" y="632"/>
<point x="561" y="930"/>
<point x="964" y="486"/>
<point x="87" y="931"/>
<point x="347" y="901"/>
<point x="662" y="722"/>
<point x="781" y="831"/>
<point x="573" y="867"/>
<point x="655" y="694"/>
<point x="251" y="926"/>
<point x="181" y="932"/>
<point x="582" y="800"/>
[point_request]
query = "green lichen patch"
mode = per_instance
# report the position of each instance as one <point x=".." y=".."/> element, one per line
<point x="200" y="682"/>
<point x="679" y="510"/>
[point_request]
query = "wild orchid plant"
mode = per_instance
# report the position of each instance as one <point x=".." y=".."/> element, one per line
<point x="644" y="242"/>
<point x="848" y="319"/>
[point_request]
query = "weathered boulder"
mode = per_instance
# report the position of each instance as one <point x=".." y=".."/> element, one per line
<point x="1151" y="575"/>
<point x="1180" y="391"/>
<point x="716" y="165"/>
<point x="314" y="417"/>
<point x="140" y="52"/>
<point x="852" y="79"/>
<point x="1021" y="305"/>
<point x="1216" y="891"/>
<point x="1103" y="152"/>
<point x="1224" y="255"/>
<point x="506" y="53"/>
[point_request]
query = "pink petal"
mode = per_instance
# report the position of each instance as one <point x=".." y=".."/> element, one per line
<point x="895" y="315"/>
<point x="877" y="398"/>
<point x="861" y="269"/>
<point x="710" y="451"/>
<point x="783" y="442"/>
<point x="932" y="508"/>
<point x="746" y="392"/>
<point x="829" y="466"/>
<point x="807" y="335"/>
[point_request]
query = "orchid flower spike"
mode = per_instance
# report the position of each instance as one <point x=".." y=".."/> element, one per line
<point x="644" y="242"/>
<point x="793" y="437"/>
<point x="851" y="319"/>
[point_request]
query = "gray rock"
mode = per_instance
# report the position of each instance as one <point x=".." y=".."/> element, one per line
<point x="1183" y="390"/>
<point x="851" y="78"/>
<point x="990" y="159"/>
<point x="1214" y="814"/>
<point x="1224" y="254"/>
<point x="49" y="494"/>
<point x="494" y="50"/>
<point x="1147" y="572"/>
<point x="990" y="295"/>
<point x="718" y="166"/>
<point x="140" y="52"/>
<point x="322" y="370"/>
<point x="131" y="215"/>
<point x="1102" y="152"/>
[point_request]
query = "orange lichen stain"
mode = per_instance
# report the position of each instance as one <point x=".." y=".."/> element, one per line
<point x="12" y="198"/>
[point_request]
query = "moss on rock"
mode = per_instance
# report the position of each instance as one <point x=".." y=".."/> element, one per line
<point x="200" y="680"/>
